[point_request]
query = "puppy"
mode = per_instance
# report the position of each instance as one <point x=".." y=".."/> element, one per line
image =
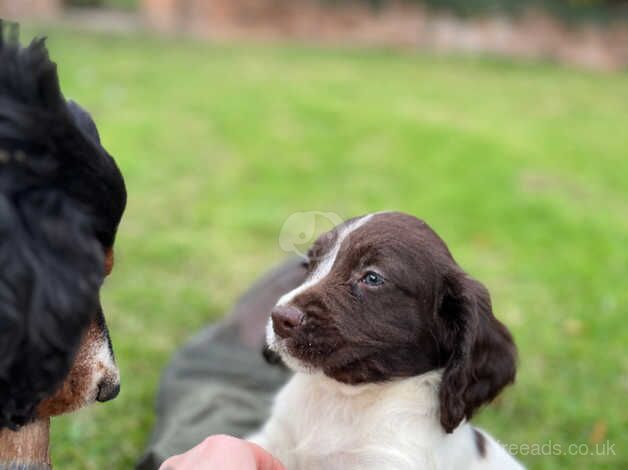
<point x="394" y="347"/>
<point x="61" y="200"/>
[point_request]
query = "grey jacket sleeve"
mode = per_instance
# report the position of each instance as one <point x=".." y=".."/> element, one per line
<point x="218" y="382"/>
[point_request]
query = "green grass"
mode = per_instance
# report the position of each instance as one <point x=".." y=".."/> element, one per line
<point x="522" y="168"/>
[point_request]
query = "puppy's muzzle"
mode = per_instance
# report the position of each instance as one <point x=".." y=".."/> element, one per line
<point x="286" y="319"/>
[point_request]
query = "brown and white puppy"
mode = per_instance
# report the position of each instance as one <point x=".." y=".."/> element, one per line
<point x="394" y="347"/>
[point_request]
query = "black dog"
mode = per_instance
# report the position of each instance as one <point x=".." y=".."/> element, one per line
<point x="61" y="200"/>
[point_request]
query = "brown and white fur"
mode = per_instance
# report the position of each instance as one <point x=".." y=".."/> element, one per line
<point x="393" y="347"/>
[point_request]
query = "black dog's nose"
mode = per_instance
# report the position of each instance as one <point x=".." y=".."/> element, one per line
<point x="107" y="390"/>
<point x="285" y="319"/>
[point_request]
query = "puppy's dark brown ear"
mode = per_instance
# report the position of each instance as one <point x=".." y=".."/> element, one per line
<point x="483" y="359"/>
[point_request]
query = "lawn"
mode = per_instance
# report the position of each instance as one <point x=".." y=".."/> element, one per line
<point x="522" y="168"/>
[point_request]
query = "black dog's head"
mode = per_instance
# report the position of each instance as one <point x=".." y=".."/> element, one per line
<point x="384" y="299"/>
<point x="61" y="200"/>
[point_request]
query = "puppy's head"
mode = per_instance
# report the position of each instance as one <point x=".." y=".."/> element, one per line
<point x="61" y="200"/>
<point x="384" y="299"/>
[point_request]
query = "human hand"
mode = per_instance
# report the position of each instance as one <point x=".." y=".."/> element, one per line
<point x="222" y="452"/>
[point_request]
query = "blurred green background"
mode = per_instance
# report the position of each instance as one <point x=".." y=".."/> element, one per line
<point x="520" y="167"/>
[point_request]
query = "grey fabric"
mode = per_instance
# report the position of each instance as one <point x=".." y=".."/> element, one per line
<point x="218" y="382"/>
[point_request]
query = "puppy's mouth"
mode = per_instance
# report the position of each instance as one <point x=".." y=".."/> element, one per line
<point x="285" y="348"/>
<point x="308" y="350"/>
<point x="345" y="362"/>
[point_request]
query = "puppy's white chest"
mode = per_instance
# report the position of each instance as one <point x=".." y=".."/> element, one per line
<point x="317" y="426"/>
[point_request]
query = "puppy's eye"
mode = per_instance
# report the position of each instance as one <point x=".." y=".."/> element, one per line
<point x="372" y="279"/>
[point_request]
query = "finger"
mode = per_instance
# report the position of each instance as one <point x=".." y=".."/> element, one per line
<point x="263" y="459"/>
<point x="171" y="463"/>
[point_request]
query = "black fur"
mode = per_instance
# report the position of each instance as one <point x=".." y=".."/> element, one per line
<point x="61" y="200"/>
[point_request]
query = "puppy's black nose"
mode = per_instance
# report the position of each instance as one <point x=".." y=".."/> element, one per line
<point x="107" y="390"/>
<point x="285" y="320"/>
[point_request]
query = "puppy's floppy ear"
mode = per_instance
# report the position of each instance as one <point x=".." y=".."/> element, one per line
<point x="51" y="269"/>
<point x="483" y="359"/>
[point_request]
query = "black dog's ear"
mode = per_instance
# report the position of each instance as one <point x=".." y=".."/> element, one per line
<point x="84" y="121"/>
<point x="36" y="119"/>
<point x="483" y="359"/>
<point x="51" y="269"/>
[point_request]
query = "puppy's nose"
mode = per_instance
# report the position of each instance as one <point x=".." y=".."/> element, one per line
<point x="107" y="390"/>
<point x="285" y="320"/>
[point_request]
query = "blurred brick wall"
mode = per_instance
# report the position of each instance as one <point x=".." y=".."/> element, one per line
<point x="162" y="14"/>
<point x="18" y="9"/>
<point x="532" y="36"/>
